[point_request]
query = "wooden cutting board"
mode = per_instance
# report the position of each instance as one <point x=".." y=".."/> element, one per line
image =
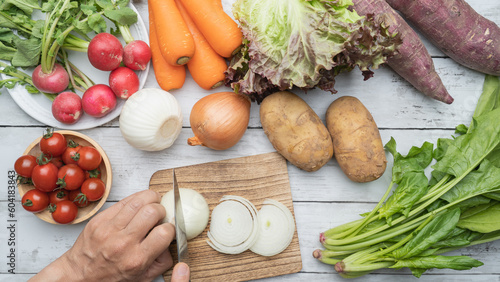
<point x="255" y="178"/>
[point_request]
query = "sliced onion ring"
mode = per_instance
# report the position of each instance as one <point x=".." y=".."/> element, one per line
<point x="276" y="229"/>
<point x="234" y="225"/>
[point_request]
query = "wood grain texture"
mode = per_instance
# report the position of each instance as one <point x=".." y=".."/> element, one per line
<point x="255" y="178"/>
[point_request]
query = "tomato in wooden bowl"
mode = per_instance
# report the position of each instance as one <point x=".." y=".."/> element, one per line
<point x="91" y="163"/>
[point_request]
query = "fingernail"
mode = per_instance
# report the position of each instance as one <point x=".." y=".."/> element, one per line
<point x="183" y="269"/>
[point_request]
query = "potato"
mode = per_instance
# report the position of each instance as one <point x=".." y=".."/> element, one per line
<point x="357" y="145"/>
<point x="296" y="131"/>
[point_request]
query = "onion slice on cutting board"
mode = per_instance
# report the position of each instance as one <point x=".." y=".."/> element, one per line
<point x="234" y="225"/>
<point x="276" y="229"/>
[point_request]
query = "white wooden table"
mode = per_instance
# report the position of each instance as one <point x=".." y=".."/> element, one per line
<point x="322" y="199"/>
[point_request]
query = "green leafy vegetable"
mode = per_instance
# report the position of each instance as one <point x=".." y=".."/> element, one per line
<point x="68" y="25"/>
<point x="458" y="207"/>
<point x="304" y="43"/>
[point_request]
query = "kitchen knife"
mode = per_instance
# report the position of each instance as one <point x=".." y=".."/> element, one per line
<point x="180" y="226"/>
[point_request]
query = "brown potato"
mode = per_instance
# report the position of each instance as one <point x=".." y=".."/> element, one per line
<point x="296" y="131"/>
<point x="357" y="145"/>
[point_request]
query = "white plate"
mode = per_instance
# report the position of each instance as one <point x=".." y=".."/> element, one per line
<point x="39" y="107"/>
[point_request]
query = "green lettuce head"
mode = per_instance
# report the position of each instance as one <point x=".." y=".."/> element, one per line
<point x="304" y="44"/>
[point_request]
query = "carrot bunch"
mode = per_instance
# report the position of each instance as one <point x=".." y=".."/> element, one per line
<point x="196" y="34"/>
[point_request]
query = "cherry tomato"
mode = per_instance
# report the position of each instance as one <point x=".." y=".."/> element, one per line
<point x="64" y="212"/>
<point x="70" y="177"/>
<point x="90" y="158"/>
<point x="93" y="188"/>
<point x="95" y="173"/>
<point x="57" y="161"/>
<point x="58" y="196"/>
<point x="53" y="143"/>
<point x="24" y="165"/>
<point x="77" y="197"/>
<point x="35" y="200"/>
<point x="44" y="177"/>
<point x="69" y="154"/>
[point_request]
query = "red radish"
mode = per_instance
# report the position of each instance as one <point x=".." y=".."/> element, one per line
<point x="54" y="82"/>
<point x="136" y="55"/>
<point x="105" y="52"/>
<point x="98" y="100"/>
<point x="67" y="107"/>
<point x="124" y="82"/>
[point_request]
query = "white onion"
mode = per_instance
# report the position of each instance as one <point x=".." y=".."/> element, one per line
<point x="151" y="119"/>
<point x="234" y="225"/>
<point x="194" y="207"/>
<point x="277" y="228"/>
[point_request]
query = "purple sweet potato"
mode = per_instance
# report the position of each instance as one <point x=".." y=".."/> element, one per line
<point x="413" y="61"/>
<point x="457" y="29"/>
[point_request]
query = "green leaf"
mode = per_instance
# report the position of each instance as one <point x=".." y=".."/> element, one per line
<point x="27" y="6"/>
<point x="124" y="16"/>
<point x="493" y="195"/>
<point x="437" y="229"/>
<point x="28" y="52"/>
<point x="484" y="218"/>
<point x="467" y="150"/>
<point x="97" y="23"/>
<point x="6" y="52"/>
<point x="411" y="188"/>
<point x="417" y="159"/>
<point x="483" y="180"/>
<point x="461" y="129"/>
<point x="490" y="98"/>
<point x="452" y="262"/>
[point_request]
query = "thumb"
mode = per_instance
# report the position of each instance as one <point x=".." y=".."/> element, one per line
<point x="180" y="273"/>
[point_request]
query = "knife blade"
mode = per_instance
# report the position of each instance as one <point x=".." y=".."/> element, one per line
<point x="180" y="226"/>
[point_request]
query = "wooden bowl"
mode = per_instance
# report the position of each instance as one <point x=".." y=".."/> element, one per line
<point x="106" y="176"/>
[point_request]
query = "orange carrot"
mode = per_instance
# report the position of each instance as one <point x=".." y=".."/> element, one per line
<point x="175" y="41"/>
<point x="169" y="77"/>
<point x="220" y="30"/>
<point x="206" y="66"/>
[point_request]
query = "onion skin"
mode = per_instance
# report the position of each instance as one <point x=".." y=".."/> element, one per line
<point x="219" y="120"/>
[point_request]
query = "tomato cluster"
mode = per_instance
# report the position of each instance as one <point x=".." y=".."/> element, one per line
<point x="65" y="176"/>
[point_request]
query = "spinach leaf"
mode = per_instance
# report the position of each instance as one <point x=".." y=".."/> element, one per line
<point x="490" y="98"/>
<point x="452" y="262"/>
<point x="485" y="179"/>
<point x="417" y="159"/>
<point x="467" y="150"/>
<point x="437" y="229"/>
<point x="493" y="195"/>
<point x="483" y="218"/>
<point x="412" y="187"/>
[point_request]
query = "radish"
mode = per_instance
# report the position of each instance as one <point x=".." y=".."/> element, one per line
<point x="98" y="100"/>
<point x="55" y="81"/>
<point x="136" y="55"/>
<point x="105" y="52"/>
<point x="124" y="82"/>
<point x="67" y="107"/>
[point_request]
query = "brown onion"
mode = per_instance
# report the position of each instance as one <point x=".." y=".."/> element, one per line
<point x="219" y="120"/>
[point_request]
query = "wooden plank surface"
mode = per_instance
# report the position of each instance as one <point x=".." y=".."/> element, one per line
<point x="255" y="178"/>
<point x="321" y="200"/>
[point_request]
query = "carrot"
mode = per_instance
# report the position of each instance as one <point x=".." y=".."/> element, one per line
<point x="413" y="61"/>
<point x="206" y="66"/>
<point x="169" y="77"/>
<point x="457" y="29"/>
<point x="220" y="30"/>
<point x="175" y="41"/>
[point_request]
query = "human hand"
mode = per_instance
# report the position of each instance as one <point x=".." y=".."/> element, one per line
<point x="125" y="242"/>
